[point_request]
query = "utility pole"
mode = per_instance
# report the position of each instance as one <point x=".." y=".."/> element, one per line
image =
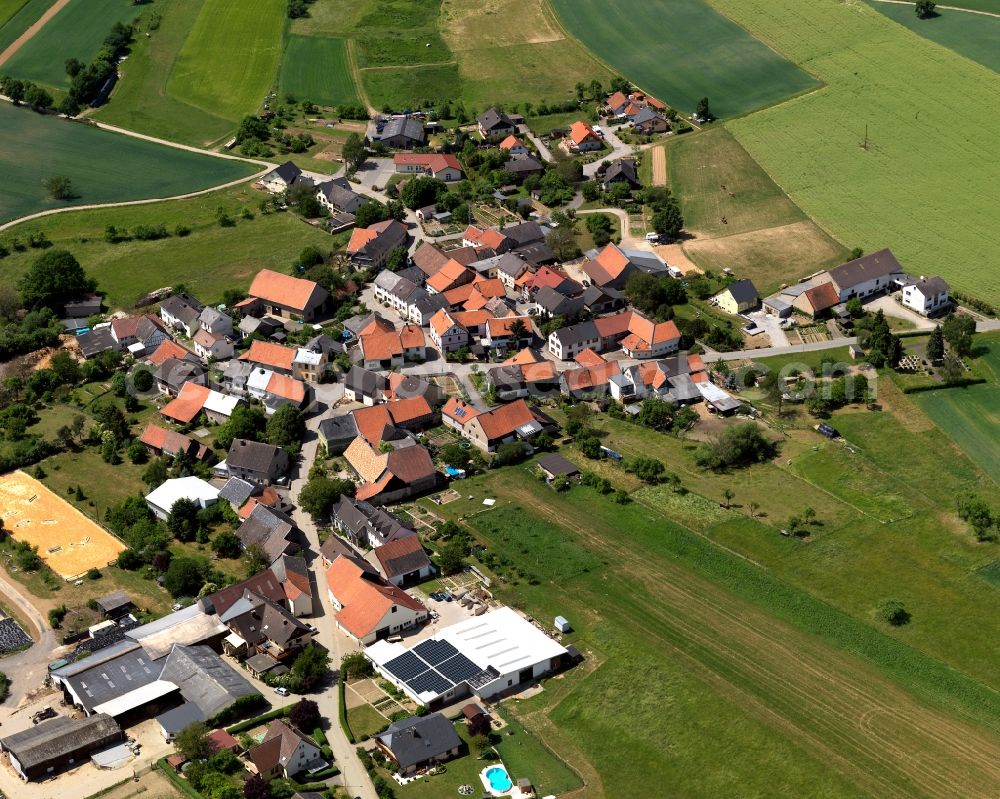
<point x="865" y="145"/>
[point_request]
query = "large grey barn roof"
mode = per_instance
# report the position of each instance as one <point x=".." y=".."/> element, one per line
<point x="54" y="737"/>
<point x="204" y="678"/>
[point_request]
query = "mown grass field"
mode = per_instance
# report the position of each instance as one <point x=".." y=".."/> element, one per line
<point x="739" y="218"/>
<point x="104" y="167"/>
<point x="926" y="185"/>
<point x="683" y="50"/>
<point x="141" y="101"/>
<point x="703" y="658"/>
<point x="973" y="35"/>
<point x="77" y="31"/>
<point x="16" y="16"/>
<point x="209" y="260"/>
<point x="409" y="88"/>
<point x="230" y="59"/>
<point x="971" y="417"/>
<point x="316" y="69"/>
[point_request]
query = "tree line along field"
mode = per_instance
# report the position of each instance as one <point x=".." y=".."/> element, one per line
<point x="76" y="31"/>
<point x="698" y="657"/>
<point x="16" y="16"/>
<point x="974" y="36"/>
<point x="230" y="58"/>
<point x="926" y="184"/>
<point x="103" y="167"/>
<point x="208" y="260"/>
<point x="683" y="50"/>
<point x="141" y="100"/>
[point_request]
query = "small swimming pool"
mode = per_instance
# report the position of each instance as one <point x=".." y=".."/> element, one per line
<point x="498" y="779"/>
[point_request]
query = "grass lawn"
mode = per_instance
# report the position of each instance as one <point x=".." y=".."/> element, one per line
<point x="317" y="70"/>
<point x="460" y="771"/>
<point x="739" y="218"/>
<point x="903" y="87"/>
<point x="525" y="755"/>
<point x="77" y="31"/>
<point x="543" y="125"/>
<point x="209" y="260"/>
<point x="973" y="35"/>
<point x="732" y="663"/>
<point x="230" y="60"/>
<point x="104" y="167"/>
<point x="141" y="101"/>
<point x="683" y="50"/>
<point x="971" y="418"/>
<point x="16" y="16"/>
<point x="365" y="721"/>
<point x="406" y="88"/>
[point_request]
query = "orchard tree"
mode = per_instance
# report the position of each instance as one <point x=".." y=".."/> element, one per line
<point x="355" y="152"/>
<point x="193" y="742"/>
<point x="182" y="520"/>
<point x="957" y="331"/>
<point x="925" y="9"/>
<point x="53" y="278"/>
<point x="59" y="187"/>
<point x="703" y="112"/>
<point x="667" y="220"/>
<point x="935" y="345"/>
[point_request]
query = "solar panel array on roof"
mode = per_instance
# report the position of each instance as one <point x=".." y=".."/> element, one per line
<point x="435" y="652"/>
<point x="406" y="666"/>
<point x="458" y="668"/>
<point x="430" y="681"/>
<point x="460" y="412"/>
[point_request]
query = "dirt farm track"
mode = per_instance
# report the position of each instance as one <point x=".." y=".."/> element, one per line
<point x="67" y="541"/>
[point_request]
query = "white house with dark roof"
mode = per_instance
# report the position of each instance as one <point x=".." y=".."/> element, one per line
<point x="281" y="178"/>
<point x="927" y="296"/>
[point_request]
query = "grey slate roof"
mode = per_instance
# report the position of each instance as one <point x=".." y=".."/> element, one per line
<point x="358" y="516"/>
<point x="931" y="286"/>
<point x="404" y="126"/>
<point x="114" y="601"/>
<point x="365" y="382"/>
<point x="253" y="455"/>
<point x="556" y="464"/>
<point x="204" y="678"/>
<point x="177" y="307"/>
<point x="743" y="291"/>
<point x="867" y="267"/>
<point x="272" y="530"/>
<point x="418" y="739"/>
<point x="524" y="163"/>
<point x="339" y="428"/>
<point x="176" y="719"/>
<point x="237" y="491"/>
<point x="622" y="170"/>
<point x="340" y="195"/>
<point x="288" y="172"/>
<point x="104" y="678"/>
<point x="574" y="334"/>
<point x="524" y="233"/>
<point x="94" y="342"/>
<point x="59" y="736"/>
<point x="557" y="304"/>
<point x="493" y="119"/>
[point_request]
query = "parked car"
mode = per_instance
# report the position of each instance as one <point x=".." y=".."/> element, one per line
<point x="751" y="328"/>
<point x="652" y="237"/>
<point x="281" y="691"/>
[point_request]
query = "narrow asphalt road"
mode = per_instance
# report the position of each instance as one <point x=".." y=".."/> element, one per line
<point x="27" y="669"/>
<point x="353" y="776"/>
<point x="618" y="150"/>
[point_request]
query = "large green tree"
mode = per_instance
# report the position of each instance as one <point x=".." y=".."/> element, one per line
<point x="184" y="577"/>
<point x="286" y="428"/>
<point x="355" y="153"/>
<point x="53" y="278"/>
<point x="422" y="191"/>
<point x="958" y="330"/>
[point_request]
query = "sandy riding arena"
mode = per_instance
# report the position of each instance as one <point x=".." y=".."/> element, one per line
<point x="67" y="541"/>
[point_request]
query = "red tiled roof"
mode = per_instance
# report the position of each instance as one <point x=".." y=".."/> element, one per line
<point x="286" y="387"/>
<point x="460" y="411"/>
<point x="365" y="599"/>
<point x="188" y="403"/>
<point x="589" y="377"/>
<point x="525" y="356"/>
<point x="484" y="238"/>
<point x="822" y="297"/>
<point x="448" y="276"/>
<point x="411" y="337"/>
<point x="170" y="349"/>
<point x="268" y="353"/>
<point x="617" y="100"/>
<point x="433" y="162"/>
<point x="284" y="290"/>
<point x="510" y="143"/>
<point x="408" y="410"/>
<point x="589" y="358"/>
<point x="502" y="421"/>
<point x="613" y="325"/>
<point x="500" y="327"/>
<point x="360" y="236"/>
<point x="612" y="260"/>
<point x="372" y="422"/>
<point x="441" y="322"/>
<point x="381" y="345"/>
<point x="580" y="131"/>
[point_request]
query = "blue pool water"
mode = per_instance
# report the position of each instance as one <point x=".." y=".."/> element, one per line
<point x="499" y="779"/>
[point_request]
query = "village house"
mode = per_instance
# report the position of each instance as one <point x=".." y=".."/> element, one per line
<point x="170" y="349"/>
<point x="138" y="334"/>
<point x="419" y="742"/>
<point x="512" y="381"/>
<point x="284" y="752"/>
<point x="252" y="460"/>
<point x="517" y="421"/>
<point x="622" y="170"/>
<point x="456" y="414"/>
<point x="501" y="333"/>
<point x="160" y="441"/>
<point x="450" y="276"/>
<point x="404" y="561"/>
<point x="259" y="626"/>
<point x="523" y="167"/>
<point x="927" y="296"/>
<point x="285" y="296"/>
<point x="274" y="390"/>
<point x="172" y="375"/>
<point x="513" y="146"/>
<point x="441" y="166"/>
<point x="446" y="334"/>
<point x="281" y="178"/>
<point x="364" y="386"/>
<point x="193" y="400"/>
<point x="213" y="346"/>
<point x="162" y="499"/>
<point x="370" y="247"/>
<point x="738" y="297"/>
<point x="387" y="477"/>
<point x="365" y="525"/>
<point x="216" y="322"/>
<point x="648" y="121"/>
<point x="309" y="363"/>
<point x="338" y="196"/>
<point x="381" y="346"/>
<point x="494" y="124"/>
<point x="275" y="357"/>
<point x="368" y="607"/>
<point x="272" y="530"/>
<point x="817" y="300"/>
<point x="598" y="300"/>
<point x="866" y="276"/>
<point x="589" y="381"/>
<point x="403" y="133"/>
<point x="181" y="312"/>
<point x="581" y="138"/>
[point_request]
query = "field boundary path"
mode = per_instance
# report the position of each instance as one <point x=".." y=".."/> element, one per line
<point x="659" y="158"/>
<point x="27" y="668"/>
<point x="29" y="34"/>
<point x="939" y="6"/>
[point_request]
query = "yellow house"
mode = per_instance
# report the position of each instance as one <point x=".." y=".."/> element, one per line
<point x="737" y="297"/>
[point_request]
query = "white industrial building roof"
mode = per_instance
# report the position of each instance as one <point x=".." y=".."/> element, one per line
<point x="136" y="698"/>
<point x="222" y="404"/>
<point x="182" y="488"/>
<point x="502" y="639"/>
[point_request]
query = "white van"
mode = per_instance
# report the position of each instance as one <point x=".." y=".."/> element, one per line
<point x="652" y="237"/>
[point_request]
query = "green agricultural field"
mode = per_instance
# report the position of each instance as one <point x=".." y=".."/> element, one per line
<point x="316" y="69"/>
<point x="104" y="167"/>
<point x="973" y="35"/>
<point x="16" y="16"/>
<point x="683" y="50"/>
<point x="402" y="88"/>
<point x="732" y="663"/>
<point x="77" y="31"/>
<point x="926" y="185"/>
<point x="141" y="101"/>
<point x="970" y="416"/>
<point x="230" y="60"/>
<point x="209" y="260"/>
